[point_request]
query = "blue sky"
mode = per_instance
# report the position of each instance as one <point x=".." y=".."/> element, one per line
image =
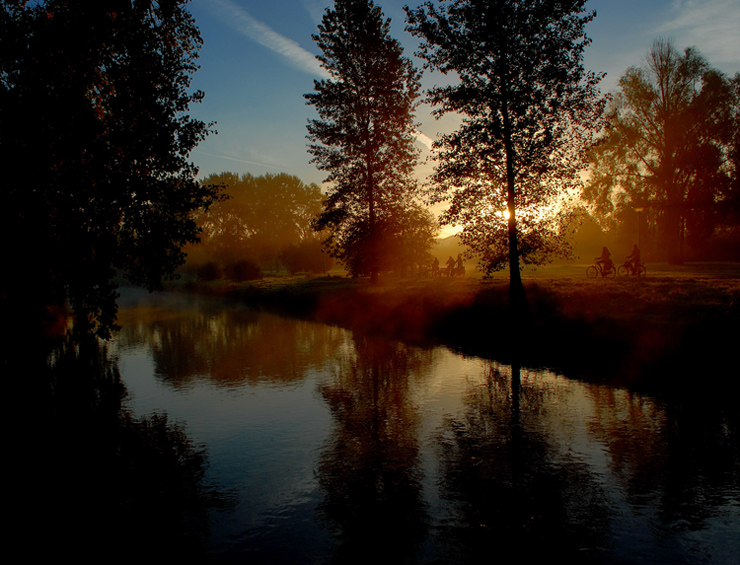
<point x="257" y="61"/>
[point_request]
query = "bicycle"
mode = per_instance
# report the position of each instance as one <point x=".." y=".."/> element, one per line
<point x="626" y="270"/>
<point x="595" y="270"/>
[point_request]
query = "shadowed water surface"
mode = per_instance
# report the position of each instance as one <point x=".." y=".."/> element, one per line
<point x="343" y="448"/>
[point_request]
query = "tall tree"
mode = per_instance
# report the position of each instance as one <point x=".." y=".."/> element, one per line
<point x="94" y="145"/>
<point x="528" y="108"/>
<point x="666" y="145"/>
<point x="365" y="134"/>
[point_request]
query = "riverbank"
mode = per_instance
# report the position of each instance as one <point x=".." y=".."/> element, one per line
<point x="666" y="330"/>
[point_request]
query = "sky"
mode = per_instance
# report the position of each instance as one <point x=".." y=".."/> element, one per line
<point x="258" y="60"/>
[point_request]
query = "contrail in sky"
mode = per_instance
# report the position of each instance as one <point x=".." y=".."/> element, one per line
<point x="425" y="140"/>
<point x="238" y="18"/>
<point x="235" y="159"/>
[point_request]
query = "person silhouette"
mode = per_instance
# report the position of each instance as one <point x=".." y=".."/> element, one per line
<point x="604" y="261"/>
<point x="435" y="266"/>
<point x="633" y="260"/>
<point x="459" y="264"/>
<point x="450" y="266"/>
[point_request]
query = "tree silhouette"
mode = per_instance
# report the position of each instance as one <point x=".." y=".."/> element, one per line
<point x="666" y="145"/>
<point x="364" y="136"/>
<point x="528" y="110"/>
<point x="94" y="98"/>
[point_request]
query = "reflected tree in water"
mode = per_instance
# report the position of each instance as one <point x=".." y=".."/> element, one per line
<point x="369" y="470"/>
<point x="509" y="489"/>
<point x="679" y="457"/>
<point x="94" y="480"/>
<point x="232" y="346"/>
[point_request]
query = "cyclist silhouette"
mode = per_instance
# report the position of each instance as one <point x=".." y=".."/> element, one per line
<point x="633" y="260"/>
<point x="605" y="261"/>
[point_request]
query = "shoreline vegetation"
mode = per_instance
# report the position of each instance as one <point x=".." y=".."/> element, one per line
<point x="676" y="330"/>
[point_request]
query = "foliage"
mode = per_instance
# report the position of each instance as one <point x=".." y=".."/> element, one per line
<point x="528" y="110"/>
<point x="364" y="136"/>
<point x="262" y="216"/>
<point x="209" y="271"/>
<point x="666" y="146"/>
<point x="95" y="96"/>
<point x="405" y="244"/>
<point x="403" y="238"/>
<point x="245" y="270"/>
<point x="307" y="256"/>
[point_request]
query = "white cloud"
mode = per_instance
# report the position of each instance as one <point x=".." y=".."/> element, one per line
<point x="712" y="26"/>
<point x="242" y="21"/>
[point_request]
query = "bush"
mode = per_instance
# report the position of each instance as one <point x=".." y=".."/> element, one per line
<point x="244" y="271"/>
<point x="210" y="271"/>
<point x="306" y="257"/>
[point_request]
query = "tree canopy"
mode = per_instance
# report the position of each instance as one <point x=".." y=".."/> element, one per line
<point x="261" y="217"/>
<point x="528" y="111"/>
<point x="668" y="147"/>
<point x="94" y="98"/>
<point x="365" y="132"/>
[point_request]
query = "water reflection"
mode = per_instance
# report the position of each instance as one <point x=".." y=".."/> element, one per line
<point x="678" y="460"/>
<point x="230" y="346"/>
<point x="93" y="479"/>
<point x="370" y="471"/>
<point x="512" y="491"/>
<point x="346" y="448"/>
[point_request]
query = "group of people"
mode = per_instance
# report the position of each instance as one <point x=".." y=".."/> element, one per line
<point x="453" y="267"/>
<point x="606" y="264"/>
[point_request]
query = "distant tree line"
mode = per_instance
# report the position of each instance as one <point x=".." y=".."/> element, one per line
<point x="263" y="225"/>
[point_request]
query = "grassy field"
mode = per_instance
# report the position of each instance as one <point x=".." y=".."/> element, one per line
<point x="664" y="293"/>
<point x="677" y="320"/>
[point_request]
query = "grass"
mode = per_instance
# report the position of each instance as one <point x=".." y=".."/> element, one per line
<point x="676" y="321"/>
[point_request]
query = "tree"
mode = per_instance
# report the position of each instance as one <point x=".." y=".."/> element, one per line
<point x="732" y="198"/>
<point x="528" y="109"/>
<point x="402" y="238"/>
<point x="365" y="133"/>
<point x="262" y="216"/>
<point x="666" y="146"/>
<point x="94" y="100"/>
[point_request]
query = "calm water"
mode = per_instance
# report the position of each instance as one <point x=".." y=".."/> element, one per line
<point x="332" y="447"/>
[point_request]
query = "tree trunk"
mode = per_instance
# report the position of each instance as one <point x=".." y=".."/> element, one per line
<point x="516" y="289"/>
<point x="673" y="234"/>
<point x="372" y="243"/>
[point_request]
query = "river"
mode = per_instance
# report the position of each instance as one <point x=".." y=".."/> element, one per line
<point x="327" y="446"/>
